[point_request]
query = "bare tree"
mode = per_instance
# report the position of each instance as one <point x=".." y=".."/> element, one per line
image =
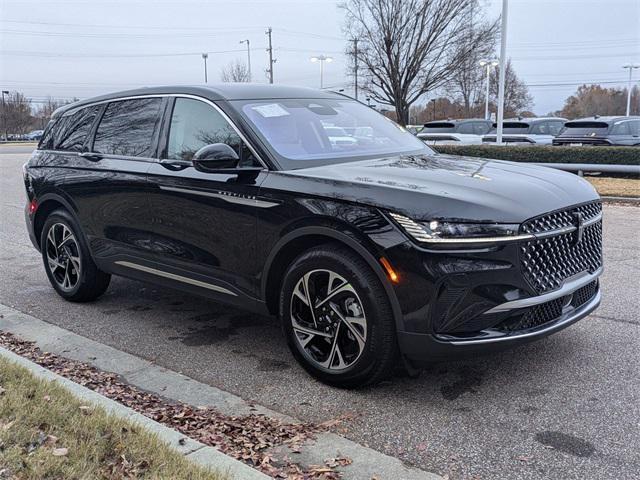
<point x="43" y="113"/>
<point x="16" y="113"/>
<point x="516" y="94"/>
<point x="235" y="71"/>
<point x="468" y="84"/>
<point x="411" y="47"/>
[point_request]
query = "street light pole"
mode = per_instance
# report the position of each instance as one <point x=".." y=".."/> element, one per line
<point x="248" y="58"/>
<point x="488" y="64"/>
<point x="4" y="115"/>
<point x="204" y="57"/>
<point x="630" y="66"/>
<point x="322" y="59"/>
<point x="503" y="63"/>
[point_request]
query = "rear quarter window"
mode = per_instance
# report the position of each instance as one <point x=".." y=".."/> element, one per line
<point x="48" y="137"/>
<point x="74" y="128"/>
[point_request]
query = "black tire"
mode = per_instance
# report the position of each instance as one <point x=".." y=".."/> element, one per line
<point x="379" y="354"/>
<point x="91" y="282"/>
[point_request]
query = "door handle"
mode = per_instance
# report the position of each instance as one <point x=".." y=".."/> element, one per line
<point x="176" y="163"/>
<point x="94" y="157"/>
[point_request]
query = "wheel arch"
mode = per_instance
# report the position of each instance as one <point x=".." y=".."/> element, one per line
<point x="47" y="204"/>
<point x="302" y="239"/>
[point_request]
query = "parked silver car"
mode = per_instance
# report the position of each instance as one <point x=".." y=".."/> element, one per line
<point x="531" y="131"/>
<point x="455" y="132"/>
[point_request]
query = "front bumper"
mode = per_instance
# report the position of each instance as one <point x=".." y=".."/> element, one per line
<point x="421" y="348"/>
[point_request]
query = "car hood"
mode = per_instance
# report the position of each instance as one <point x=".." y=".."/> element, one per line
<point x="445" y="187"/>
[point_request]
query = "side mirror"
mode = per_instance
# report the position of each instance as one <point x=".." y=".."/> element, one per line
<point x="215" y="156"/>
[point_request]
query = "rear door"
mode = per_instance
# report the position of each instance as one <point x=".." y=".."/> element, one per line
<point x="204" y="224"/>
<point x="113" y="198"/>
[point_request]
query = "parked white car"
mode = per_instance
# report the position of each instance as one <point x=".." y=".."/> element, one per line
<point x="528" y="131"/>
<point x="455" y="132"/>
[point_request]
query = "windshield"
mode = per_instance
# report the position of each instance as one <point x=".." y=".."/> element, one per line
<point x="308" y="132"/>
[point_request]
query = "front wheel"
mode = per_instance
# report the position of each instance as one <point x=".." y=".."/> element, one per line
<point x="337" y="318"/>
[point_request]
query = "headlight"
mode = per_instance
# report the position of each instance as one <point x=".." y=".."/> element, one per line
<point x="454" y="232"/>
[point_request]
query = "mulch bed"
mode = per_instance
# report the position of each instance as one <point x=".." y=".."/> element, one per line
<point x="246" y="438"/>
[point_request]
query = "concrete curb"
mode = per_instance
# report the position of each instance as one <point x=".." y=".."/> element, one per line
<point x="367" y="462"/>
<point x="195" y="451"/>
<point x="628" y="200"/>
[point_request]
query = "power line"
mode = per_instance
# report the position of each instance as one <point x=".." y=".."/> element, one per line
<point x="22" y="53"/>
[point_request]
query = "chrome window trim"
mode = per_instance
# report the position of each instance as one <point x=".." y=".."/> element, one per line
<point x="167" y="95"/>
<point x="107" y="156"/>
<point x="175" y="95"/>
<point x="570" y="285"/>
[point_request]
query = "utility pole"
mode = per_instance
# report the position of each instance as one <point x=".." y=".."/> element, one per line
<point x="204" y="57"/>
<point x="355" y="69"/>
<point x="248" y="58"/>
<point x="630" y="66"/>
<point x="4" y="115"/>
<point x="503" y="63"/>
<point x="271" y="60"/>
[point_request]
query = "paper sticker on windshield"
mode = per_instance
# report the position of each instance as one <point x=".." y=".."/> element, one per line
<point x="270" y="110"/>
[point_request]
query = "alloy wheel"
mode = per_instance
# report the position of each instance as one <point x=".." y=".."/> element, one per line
<point x="328" y="320"/>
<point x="63" y="256"/>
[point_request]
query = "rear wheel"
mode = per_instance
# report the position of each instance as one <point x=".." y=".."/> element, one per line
<point x="67" y="261"/>
<point x="337" y="318"/>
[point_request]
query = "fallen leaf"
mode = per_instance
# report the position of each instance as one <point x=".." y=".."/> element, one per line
<point x="60" y="452"/>
<point x="50" y="439"/>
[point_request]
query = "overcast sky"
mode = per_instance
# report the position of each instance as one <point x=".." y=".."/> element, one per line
<point x="67" y="48"/>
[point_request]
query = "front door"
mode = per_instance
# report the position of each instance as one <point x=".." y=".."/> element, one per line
<point x="204" y="224"/>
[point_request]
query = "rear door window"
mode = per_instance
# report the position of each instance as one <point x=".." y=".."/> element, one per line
<point x="481" y="128"/>
<point x="129" y="128"/>
<point x="621" y="128"/>
<point x="466" y="128"/>
<point x="73" y="129"/>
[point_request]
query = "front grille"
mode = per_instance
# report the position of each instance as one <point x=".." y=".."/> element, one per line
<point x="547" y="262"/>
<point x="539" y="315"/>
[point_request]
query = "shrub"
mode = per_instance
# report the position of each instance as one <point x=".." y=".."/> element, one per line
<point x="548" y="154"/>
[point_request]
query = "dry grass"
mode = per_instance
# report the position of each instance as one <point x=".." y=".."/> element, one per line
<point x="46" y="432"/>
<point x="616" y="187"/>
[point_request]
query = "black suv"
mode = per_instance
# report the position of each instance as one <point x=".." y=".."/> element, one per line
<point x="622" y="131"/>
<point x="369" y="251"/>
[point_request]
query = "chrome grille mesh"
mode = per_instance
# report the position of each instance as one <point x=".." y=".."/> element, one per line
<point x="547" y="262"/>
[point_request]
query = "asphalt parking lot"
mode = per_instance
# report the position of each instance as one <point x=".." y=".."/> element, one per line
<point x="566" y="407"/>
